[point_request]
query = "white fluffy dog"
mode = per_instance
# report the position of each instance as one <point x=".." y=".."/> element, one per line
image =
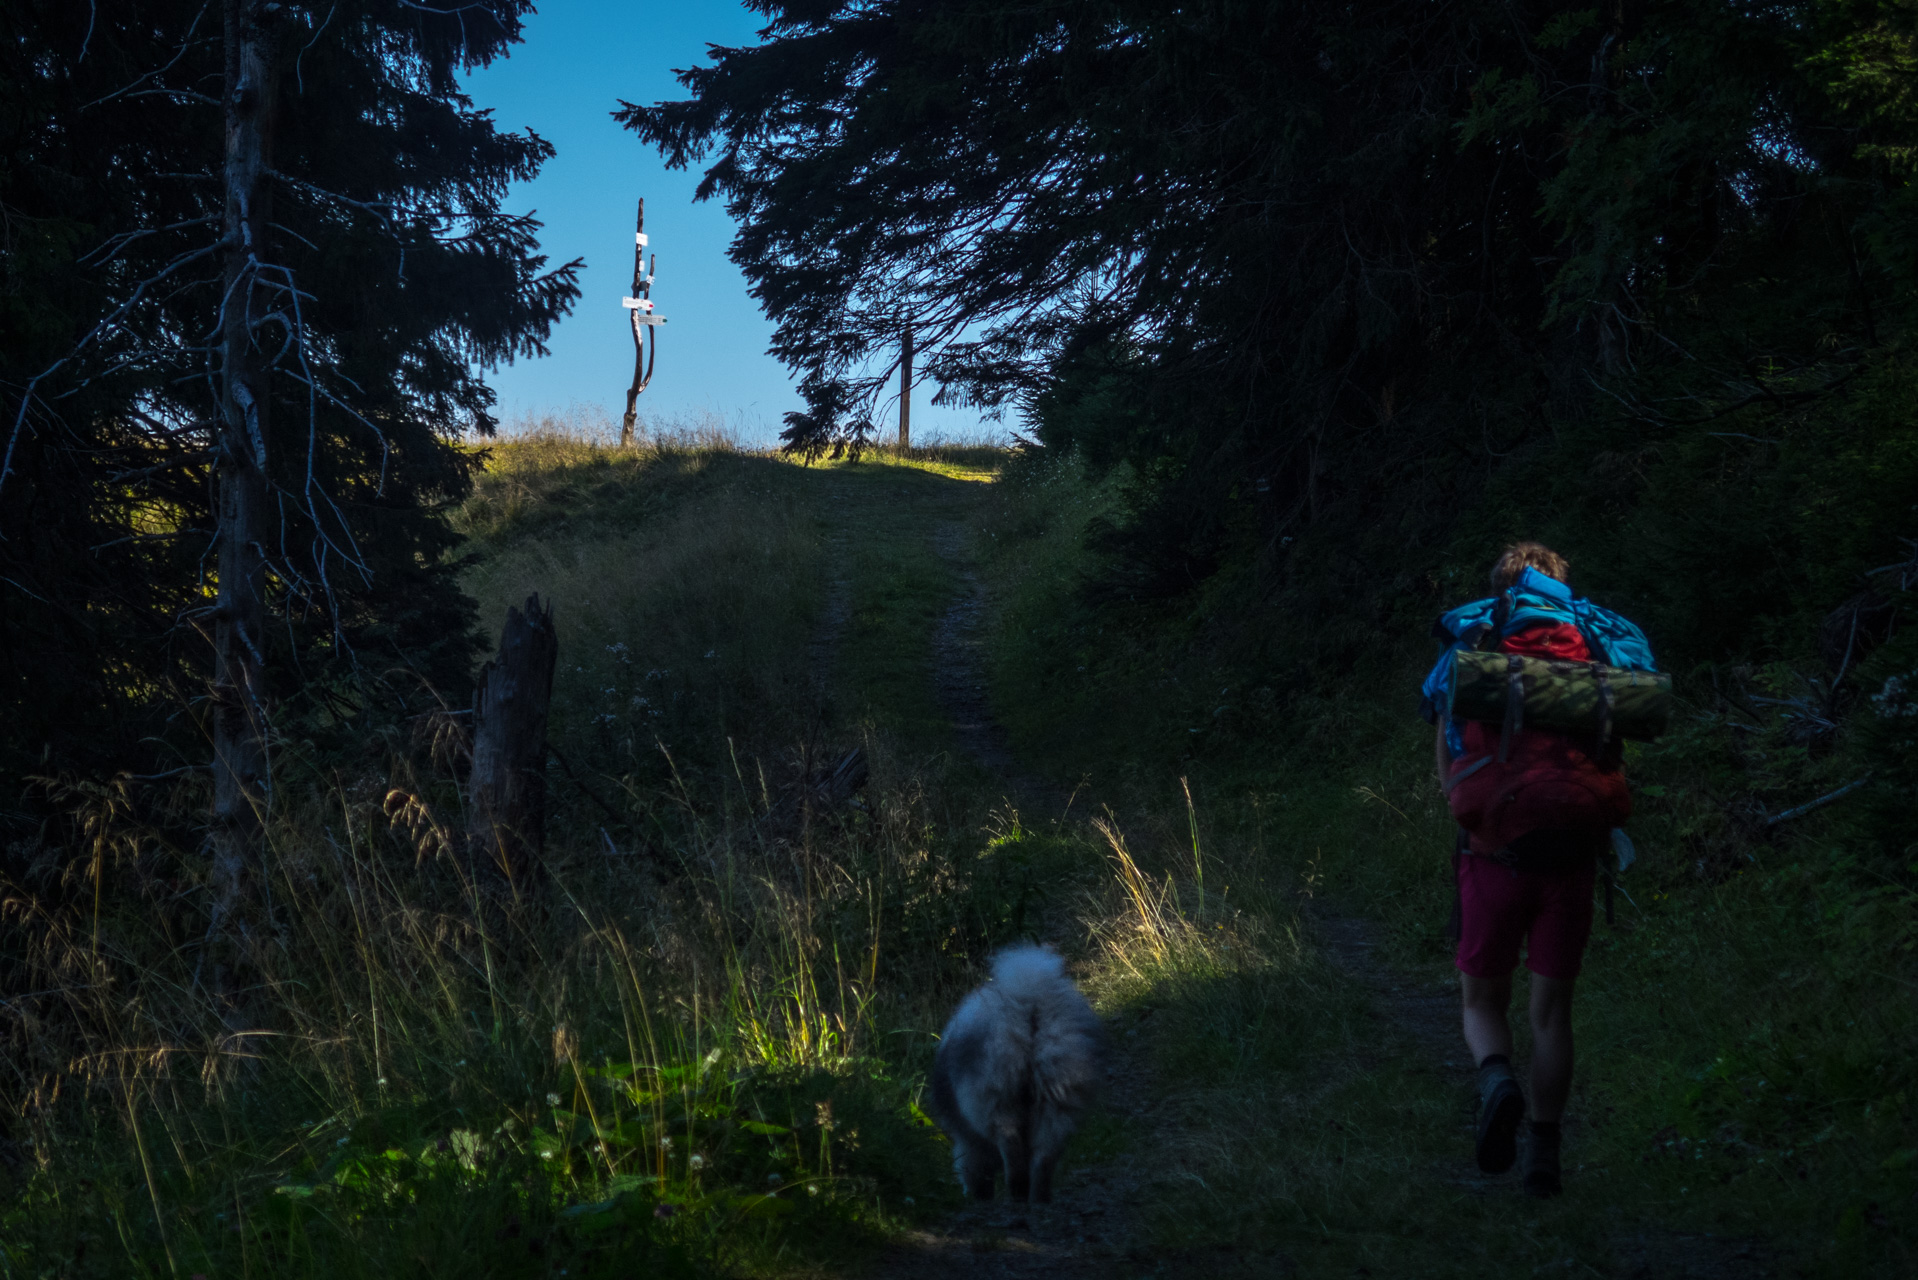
<point x="1016" y="1066"/>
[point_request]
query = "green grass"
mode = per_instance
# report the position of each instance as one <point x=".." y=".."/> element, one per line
<point x="1746" y="1034"/>
<point x="700" y="1049"/>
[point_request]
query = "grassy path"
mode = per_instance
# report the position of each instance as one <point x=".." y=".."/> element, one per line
<point x="1290" y="1097"/>
<point x="697" y="1050"/>
<point x="1089" y="1230"/>
<point x="1301" y="1110"/>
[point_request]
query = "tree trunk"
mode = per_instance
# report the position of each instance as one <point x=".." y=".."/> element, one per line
<point x="241" y="785"/>
<point x="507" y="824"/>
<point x="905" y="392"/>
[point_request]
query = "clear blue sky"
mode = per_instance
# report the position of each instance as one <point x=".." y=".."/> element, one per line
<point x="579" y="58"/>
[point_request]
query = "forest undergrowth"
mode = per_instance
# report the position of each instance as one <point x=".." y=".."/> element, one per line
<point x="699" y="1047"/>
<point x="1743" y="1104"/>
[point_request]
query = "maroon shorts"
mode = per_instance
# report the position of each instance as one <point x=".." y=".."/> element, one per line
<point x="1550" y="912"/>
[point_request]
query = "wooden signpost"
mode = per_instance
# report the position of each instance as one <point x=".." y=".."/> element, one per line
<point x="645" y="341"/>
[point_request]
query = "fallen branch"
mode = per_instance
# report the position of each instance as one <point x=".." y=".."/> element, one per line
<point x="163" y="777"/>
<point x="1809" y="805"/>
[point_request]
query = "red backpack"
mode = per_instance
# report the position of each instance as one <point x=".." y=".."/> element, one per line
<point x="1546" y="781"/>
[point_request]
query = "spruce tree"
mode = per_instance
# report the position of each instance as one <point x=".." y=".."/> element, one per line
<point x="257" y="264"/>
<point x="1295" y="262"/>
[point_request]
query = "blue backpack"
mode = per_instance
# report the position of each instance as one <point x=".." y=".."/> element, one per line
<point x="1533" y="598"/>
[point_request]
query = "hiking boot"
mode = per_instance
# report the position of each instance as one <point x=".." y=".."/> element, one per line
<point x="1541" y="1162"/>
<point x="1500" y="1107"/>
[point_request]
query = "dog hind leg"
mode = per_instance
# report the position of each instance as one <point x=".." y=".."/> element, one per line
<point x="1051" y="1126"/>
<point x="1017" y="1158"/>
<point x="977" y="1165"/>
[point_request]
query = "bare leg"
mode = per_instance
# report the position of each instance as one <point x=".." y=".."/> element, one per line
<point x="1486" y="1031"/>
<point x="1500" y="1103"/>
<point x="1551" y="1046"/>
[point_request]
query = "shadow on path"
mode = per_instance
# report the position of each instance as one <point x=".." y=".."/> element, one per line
<point x="959" y="669"/>
<point x="1089" y="1229"/>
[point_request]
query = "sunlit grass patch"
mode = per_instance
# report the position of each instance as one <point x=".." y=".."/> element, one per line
<point x="702" y="1069"/>
<point x="955" y="459"/>
<point x="697" y="1049"/>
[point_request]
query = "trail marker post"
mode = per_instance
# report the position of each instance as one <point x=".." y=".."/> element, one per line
<point x="645" y="341"/>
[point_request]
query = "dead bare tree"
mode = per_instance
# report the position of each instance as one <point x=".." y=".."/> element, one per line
<point x="240" y="774"/>
<point x="645" y="327"/>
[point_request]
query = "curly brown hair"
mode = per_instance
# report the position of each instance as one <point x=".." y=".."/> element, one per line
<point x="1513" y="560"/>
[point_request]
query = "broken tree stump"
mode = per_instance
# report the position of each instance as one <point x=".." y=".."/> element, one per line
<point x="506" y="828"/>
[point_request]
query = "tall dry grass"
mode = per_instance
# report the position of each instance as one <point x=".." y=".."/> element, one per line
<point x="663" y="1028"/>
<point x="696" y="1049"/>
<point x="674" y="1044"/>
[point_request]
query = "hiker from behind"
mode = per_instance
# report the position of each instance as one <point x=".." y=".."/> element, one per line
<point x="1016" y="1065"/>
<point x="1536" y="806"/>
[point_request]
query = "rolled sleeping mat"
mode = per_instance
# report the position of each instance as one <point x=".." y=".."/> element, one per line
<point x="1586" y="698"/>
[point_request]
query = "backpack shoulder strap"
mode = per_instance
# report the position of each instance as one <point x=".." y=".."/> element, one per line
<point x="1489" y="638"/>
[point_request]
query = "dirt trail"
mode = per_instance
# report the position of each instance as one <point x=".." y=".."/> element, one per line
<point x="1424" y="1012"/>
<point x="1092" y="1224"/>
<point x="958" y="658"/>
<point x="1096" y="1226"/>
<point x="822" y="650"/>
<point x="1415" y="1014"/>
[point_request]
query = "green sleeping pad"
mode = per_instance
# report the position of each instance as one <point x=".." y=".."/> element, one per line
<point x="1516" y="691"/>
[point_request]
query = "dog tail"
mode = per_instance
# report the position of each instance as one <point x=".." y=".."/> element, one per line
<point x="1028" y="972"/>
<point x="1066" y="1040"/>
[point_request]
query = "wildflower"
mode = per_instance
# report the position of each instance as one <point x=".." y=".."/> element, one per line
<point x="812" y="1188"/>
<point x="696" y="1161"/>
<point x="552" y="1099"/>
<point x="1894" y="700"/>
